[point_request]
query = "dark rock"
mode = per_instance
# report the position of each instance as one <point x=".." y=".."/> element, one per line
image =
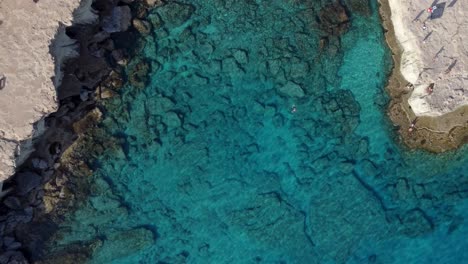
<point x="119" y="20"/>
<point x="84" y="96"/>
<point x="119" y="57"/>
<point x="114" y="81"/>
<point x="361" y="7"/>
<point x="35" y="196"/>
<point x="108" y="45"/>
<point x="100" y="36"/>
<point x="13" y="246"/>
<point x="333" y="19"/>
<point x="141" y="11"/>
<point x="26" y="181"/>
<point x="8" y="240"/>
<point x="47" y="175"/>
<point x="98" y="52"/>
<point x="55" y="148"/>
<point x="21" y="217"/>
<point x="39" y="164"/>
<point x="12" y="202"/>
<point x="142" y="26"/>
<point x="70" y="86"/>
<point x="12" y="257"/>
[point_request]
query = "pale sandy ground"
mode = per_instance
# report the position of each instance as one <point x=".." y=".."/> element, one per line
<point x="429" y="53"/>
<point x="29" y="62"/>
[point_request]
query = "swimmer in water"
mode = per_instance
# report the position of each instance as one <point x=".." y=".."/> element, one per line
<point x="293" y="109"/>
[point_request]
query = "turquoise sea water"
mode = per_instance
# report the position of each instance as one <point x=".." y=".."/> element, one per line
<point x="215" y="167"/>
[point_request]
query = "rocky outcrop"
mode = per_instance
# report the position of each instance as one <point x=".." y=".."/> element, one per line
<point x="333" y="19"/>
<point x="361" y="7"/>
<point x="429" y="98"/>
<point x="41" y="189"/>
<point x="118" y="20"/>
<point x="34" y="69"/>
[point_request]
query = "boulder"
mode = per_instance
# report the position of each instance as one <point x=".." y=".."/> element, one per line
<point x="333" y="19"/>
<point x="84" y="95"/>
<point x="26" y="181"/>
<point x="142" y="26"/>
<point x="99" y="37"/>
<point x="12" y="202"/>
<point x="119" y="57"/>
<point x="106" y="93"/>
<point x="292" y="89"/>
<point x="8" y="240"/>
<point x="39" y="164"/>
<point x="12" y="257"/>
<point x="14" y="246"/>
<point x="361" y="7"/>
<point x="119" y="20"/>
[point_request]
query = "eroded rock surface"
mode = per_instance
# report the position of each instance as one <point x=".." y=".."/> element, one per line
<point x="32" y="69"/>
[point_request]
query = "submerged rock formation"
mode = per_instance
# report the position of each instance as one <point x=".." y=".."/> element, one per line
<point x="333" y="19"/>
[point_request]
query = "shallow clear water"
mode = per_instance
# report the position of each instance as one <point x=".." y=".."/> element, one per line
<point x="215" y="167"/>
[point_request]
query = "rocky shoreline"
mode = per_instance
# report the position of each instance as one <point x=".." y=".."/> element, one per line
<point x="434" y="134"/>
<point x="43" y="190"/>
<point x="35" y="199"/>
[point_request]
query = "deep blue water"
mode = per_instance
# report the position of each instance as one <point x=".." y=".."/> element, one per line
<point x="213" y="165"/>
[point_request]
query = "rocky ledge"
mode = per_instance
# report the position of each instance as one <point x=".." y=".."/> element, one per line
<point x="41" y="190"/>
<point x="432" y="133"/>
<point x="33" y="47"/>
